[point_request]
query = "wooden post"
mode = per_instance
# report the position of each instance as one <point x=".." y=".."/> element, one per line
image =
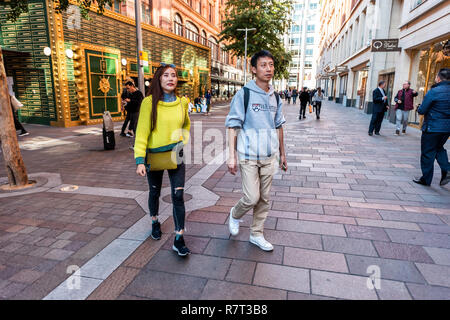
<point x="15" y="167"/>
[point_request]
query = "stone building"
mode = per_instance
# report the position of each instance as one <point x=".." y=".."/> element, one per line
<point x="351" y="64"/>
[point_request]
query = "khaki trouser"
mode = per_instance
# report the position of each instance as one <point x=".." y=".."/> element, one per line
<point x="257" y="178"/>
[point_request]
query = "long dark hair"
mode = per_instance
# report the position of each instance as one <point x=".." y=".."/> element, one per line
<point x="157" y="93"/>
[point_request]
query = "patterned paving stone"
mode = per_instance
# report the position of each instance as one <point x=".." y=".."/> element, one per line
<point x="349" y="245"/>
<point x="282" y="277"/>
<point x="241" y="271"/>
<point x="313" y="259"/>
<point x="311" y="227"/>
<point x="409" y="217"/>
<point x="304" y="296"/>
<point x="220" y="290"/>
<point x="352" y="212"/>
<point x="439" y="255"/>
<point x="402" y="252"/>
<point x="419" y="238"/>
<point x="243" y="250"/>
<point x="435" y="274"/>
<point x="166" y="286"/>
<point x="193" y="265"/>
<point x="424" y="292"/>
<point x="389" y="269"/>
<point x="341" y="286"/>
<point x="393" y="290"/>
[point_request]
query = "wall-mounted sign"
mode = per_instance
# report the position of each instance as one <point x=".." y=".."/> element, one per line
<point x="385" y="45"/>
<point x="143" y="58"/>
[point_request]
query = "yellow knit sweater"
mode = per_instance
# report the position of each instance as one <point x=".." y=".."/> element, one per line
<point x="172" y="127"/>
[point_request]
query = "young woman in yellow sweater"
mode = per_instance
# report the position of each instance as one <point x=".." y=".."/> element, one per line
<point x="162" y="131"/>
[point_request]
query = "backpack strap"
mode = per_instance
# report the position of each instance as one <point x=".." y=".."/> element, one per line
<point x="278" y="98"/>
<point x="246" y="98"/>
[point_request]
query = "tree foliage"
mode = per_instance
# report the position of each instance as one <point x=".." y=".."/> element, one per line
<point x="271" y="18"/>
<point x="21" y="6"/>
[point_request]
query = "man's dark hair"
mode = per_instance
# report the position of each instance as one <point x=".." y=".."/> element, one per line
<point x="260" y="54"/>
<point x="129" y="83"/>
<point x="444" y="74"/>
<point x="381" y="83"/>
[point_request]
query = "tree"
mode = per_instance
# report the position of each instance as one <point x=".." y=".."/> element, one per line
<point x="271" y="20"/>
<point x="15" y="166"/>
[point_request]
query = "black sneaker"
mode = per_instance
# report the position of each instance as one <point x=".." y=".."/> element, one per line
<point x="23" y="133"/>
<point x="404" y="131"/>
<point x="156" y="230"/>
<point x="123" y="134"/>
<point x="397" y="132"/>
<point x="180" y="247"/>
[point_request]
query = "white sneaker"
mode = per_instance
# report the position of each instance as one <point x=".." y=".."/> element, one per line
<point x="261" y="242"/>
<point x="233" y="224"/>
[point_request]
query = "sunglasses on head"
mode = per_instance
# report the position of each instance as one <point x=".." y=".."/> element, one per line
<point x="162" y="64"/>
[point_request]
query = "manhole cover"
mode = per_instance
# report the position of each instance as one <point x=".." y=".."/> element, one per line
<point x="69" y="188"/>
<point x="168" y="198"/>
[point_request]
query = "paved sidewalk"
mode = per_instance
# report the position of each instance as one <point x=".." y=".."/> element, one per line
<point x="346" y="209"/>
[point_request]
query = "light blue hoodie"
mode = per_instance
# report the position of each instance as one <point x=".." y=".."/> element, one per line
<point x="258" y="139"/>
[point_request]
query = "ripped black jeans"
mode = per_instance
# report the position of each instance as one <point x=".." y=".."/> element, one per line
<point x="176" y="177"/>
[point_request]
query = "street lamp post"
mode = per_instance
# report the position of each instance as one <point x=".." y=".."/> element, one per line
<point x="245" y="55"/>
<point x="140" y="67"/>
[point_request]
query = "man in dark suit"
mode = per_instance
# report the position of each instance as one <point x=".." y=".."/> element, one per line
<point x="435" y="129"/>
<point x="380" y="106"/>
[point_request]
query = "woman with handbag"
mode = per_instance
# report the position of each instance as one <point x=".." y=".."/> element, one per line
<point x="317" y="100"/>
<point x="162" y="131"/>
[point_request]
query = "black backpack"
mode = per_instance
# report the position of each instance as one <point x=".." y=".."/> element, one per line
<point x="247" y="98"/>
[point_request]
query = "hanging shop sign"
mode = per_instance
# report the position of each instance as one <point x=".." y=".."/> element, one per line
<point x="385" y="45"/>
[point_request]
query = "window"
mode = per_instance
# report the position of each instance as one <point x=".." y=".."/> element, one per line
<point x="146" y="11"/>
<point x="309" y="52"/>
<point x="210" y="13"/>
<point x="178" y="25"/>
<point x="311" y="28"/>
<point x="416" y="3"/>
<point x="294" y="41"/>
<point x="117" y="6"/>
<point x="296" y="29"/>
<point x="298" y="6"/>
<point x="310" y="40"/>
<point x="212" y="43"/>
<point x="204" y="38"/>
<point x="308" y="64"/>
<point x="192" y="32"/>
<point x="200" y="7"/>
<point x="313" y="6"/>
<point x="295" y="53"/>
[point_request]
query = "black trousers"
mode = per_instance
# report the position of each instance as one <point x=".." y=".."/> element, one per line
<point x="303" y="110"/>
<point x="17" y="123"/>
<point x="134" y="117"/>
<point x="376" y="121"/>
<point x="318" y="106"/>
<point x="125" y="123"/>
<point x="432" y="148"/>
<point x="177" y="179"/>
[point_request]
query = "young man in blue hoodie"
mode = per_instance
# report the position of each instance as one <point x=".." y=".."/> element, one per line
<point x="255" y="138"/>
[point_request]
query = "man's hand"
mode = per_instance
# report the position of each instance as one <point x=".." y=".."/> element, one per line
<point x="283" y="163"/>
<point x="140" y="170"/>
<point x="127" y="100"/>
<point x="399" y="101"/>
<point x="385" y="98"/>
<point x="232" y="164"/>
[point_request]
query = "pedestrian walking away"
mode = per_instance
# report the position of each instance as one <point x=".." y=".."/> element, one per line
<point x="133" y="100"/>
<point x="317" y="101"/>
<point x="162" y="131"/>
<point x="380" y="106"/>
<point x="304" y="100"/>
<point x="15" y="106"/>
<point x="435" y="129"/>
<point x="255" y="112"/>
<point x="289" y="96"/>
<point x="405" y="103"/>
<point x="294" y="96"/>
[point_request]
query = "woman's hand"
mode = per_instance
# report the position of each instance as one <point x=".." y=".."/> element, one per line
<point x="141" y="171"/>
